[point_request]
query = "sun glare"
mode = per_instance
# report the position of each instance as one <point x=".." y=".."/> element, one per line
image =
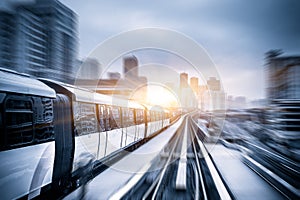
<point x="158" y="95"/>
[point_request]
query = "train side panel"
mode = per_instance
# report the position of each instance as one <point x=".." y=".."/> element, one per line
<point x="27" y="146"/>
<point x="26" y="170"/>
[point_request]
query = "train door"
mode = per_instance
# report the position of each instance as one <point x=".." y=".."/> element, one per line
<point x="102" y="117"/>
<point x="146" y="120"/>
<point x="86" y="135"/>
<point x="130" y="127"/>
<point x="139" y="120"/>
<point x="64" y="142"/>
<point x="104" y="127"/>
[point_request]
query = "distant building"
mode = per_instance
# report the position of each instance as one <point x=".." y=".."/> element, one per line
<point x="194" y="82"/>
<point x="230" y="102"/>
<point x="188" y="98"/>
<point x="214" y="84"/>
<point x="258" y="103"/>
<point x="130" y="67"/>
<point x="39" y="38"/>
<point x="213" y="97"/>
<point x="89" y="69"/>
<point x="184" y="80"/>
<point x="201" y="96"/>
<point x="239" y="102"/>
<point x="114" y="75"/>
<point x="132" y="86"/>
<point x="213" y="100"/>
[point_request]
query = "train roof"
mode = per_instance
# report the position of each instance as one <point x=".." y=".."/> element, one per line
<point x="88" y="96"/>
<point x="14" y="82"/>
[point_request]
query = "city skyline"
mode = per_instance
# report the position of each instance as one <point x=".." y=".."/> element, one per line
<point x="236" y="35"/>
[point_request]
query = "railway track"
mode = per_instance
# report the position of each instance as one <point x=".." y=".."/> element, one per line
<point x="184" y="170"/>
<point x="281" y="172"/>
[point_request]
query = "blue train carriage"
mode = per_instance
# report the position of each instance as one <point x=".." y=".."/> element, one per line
<point x="27" y="147"/>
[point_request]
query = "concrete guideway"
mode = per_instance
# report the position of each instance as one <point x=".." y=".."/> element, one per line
<point x="181" y="172"/>
<point x="187" y="176"/>
<point x="243" y="182"/>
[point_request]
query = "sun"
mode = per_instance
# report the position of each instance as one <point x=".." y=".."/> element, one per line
<point x="161" y="96"/>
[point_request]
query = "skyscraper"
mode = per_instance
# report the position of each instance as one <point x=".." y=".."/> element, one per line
<point x="214" y="97"/>
<point x="213" y="84"/>
<point x="283" y="78"/>
<point x="23" y="40"/>
<point x="39" y="38"/>
<point x="130" y="67"/>
<point x="195" y="85"/>
<point x="88" y="69"/>
<point x="283" y="93"/>
<point x="183" y="80"/>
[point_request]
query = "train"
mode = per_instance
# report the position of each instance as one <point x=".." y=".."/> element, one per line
<point x="48" y="127"/>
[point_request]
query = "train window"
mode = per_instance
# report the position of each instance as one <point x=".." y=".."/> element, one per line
<point x="43" y="119"/>
<point x="19" y="121"/>
<point x="127" y="117"/>
<point x="85" y="118"/>
<point x="152" y="116"/>
<point x="116" y="113"/>
<point x="113" y="117"/>
<point x="26" y="120"/>
<point x="159" y="115"/>
<point x="167" y="115"/>
<point x="139" y="116"/>
<point x="131" y="117"/>
<point x="106" y="119"/>
<point x="149" y="116"/>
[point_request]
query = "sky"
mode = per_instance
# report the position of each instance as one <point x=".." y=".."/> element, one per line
<point x="235" y="34"/>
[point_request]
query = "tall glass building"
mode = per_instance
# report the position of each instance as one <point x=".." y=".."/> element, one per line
<point x="39" y="38"/>
<point x="283" y="95"/>
<point x="283" y="78"/>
